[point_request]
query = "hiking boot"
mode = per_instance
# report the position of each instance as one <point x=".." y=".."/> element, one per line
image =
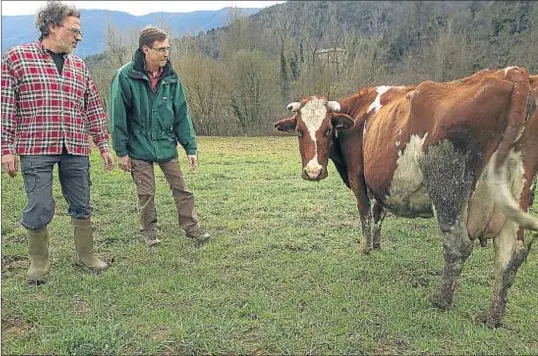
<point x="199" y="235"/>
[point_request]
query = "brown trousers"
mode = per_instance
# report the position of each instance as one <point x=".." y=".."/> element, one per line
<point x="144" y="178"/>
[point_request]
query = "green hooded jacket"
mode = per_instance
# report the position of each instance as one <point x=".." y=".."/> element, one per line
<point x="147" y="125"/>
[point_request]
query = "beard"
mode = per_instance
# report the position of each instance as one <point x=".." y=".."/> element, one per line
<point x="64" y="46"/>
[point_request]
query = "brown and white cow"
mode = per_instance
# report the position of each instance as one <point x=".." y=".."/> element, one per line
<point x="446" y="150"/>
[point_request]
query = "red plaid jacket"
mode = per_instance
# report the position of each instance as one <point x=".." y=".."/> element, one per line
<point x="42" y="110"/>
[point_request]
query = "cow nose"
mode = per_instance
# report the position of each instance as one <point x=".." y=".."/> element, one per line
<point x="313" y="175"/>
<point x="313" y="172"/>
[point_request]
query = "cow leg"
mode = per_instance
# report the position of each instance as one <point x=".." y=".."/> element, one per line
<point x="365" y="216"/>
<point x="379" y="215"/>
<point x="509" y="255"/>
<point x="358" y="186"/>
<point x="457" y="248"/>
<point x="448" y="175"/>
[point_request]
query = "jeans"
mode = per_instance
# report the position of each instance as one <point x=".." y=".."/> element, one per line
<point x="74" y="174"/>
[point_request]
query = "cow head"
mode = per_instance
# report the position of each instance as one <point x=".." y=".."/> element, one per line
<point x="316" y="121"/>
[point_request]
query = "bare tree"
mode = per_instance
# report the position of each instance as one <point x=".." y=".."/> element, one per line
<point x="115" y="43"/>
<point x="237" y="36"/>
<point x="253" y="90"/>
<point x="203" y="79"/>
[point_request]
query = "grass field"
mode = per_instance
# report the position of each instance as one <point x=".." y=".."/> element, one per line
<point x="281" y="276"/>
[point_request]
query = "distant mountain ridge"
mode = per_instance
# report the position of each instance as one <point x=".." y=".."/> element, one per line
<point x="21" y="29"/>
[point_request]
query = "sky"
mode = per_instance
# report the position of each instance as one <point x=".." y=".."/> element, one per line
<point x="137" y="8"/>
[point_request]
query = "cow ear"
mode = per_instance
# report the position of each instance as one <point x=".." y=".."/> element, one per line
<point x="287" y="125"/>
<point x="342" y="122"/>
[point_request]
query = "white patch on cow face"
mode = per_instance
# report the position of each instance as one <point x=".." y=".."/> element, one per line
<point x="313" y="114"/>
<point x="506" y="70"/>
<point x="407" y="190"/>
<point x="313" y="168"/>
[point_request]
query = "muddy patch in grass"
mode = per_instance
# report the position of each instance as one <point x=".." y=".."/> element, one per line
<point x="12" y="265"/>
<point x="419" y="278"/>
<point x="14" y="327"/>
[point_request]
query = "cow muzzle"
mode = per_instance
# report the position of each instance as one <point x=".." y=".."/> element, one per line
<point x="313" y="171"/>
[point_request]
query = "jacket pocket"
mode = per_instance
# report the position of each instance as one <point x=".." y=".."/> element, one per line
<point x="164" y="110"/>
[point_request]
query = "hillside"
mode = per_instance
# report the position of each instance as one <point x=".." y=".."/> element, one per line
<point x="21" y="29"/>
<point x="239" y="77"/>
<point x="496" y="31"/>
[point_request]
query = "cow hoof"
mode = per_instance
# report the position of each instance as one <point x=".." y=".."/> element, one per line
<point x="492" y="320"/>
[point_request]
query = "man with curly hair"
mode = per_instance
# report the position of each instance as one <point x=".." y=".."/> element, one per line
<point x="50" y="106"/>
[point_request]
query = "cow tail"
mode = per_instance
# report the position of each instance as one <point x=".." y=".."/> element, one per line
<point x="499" y="170"/>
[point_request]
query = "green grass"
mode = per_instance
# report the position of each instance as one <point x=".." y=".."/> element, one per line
<point x="282" y="275"/>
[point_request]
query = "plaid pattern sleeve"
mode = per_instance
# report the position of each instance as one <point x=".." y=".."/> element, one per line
<point x="96" y="116"/>
<point x="44" y="111"/>
<point x="8" y="107"/>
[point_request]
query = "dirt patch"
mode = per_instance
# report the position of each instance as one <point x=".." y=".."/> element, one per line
<point x="162" y="333"/>
<point x="81" y="307"/>
<point x="419" y="277"/>
<point x="391" y="346"/>
<point x="13" y="264"/>
<point x="13" y="327"/>
<point x="108" y="257"/>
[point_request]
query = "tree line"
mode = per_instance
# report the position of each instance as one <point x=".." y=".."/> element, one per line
<point x="239" y="78"/>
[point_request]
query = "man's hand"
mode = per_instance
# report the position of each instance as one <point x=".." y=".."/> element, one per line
<point x="193" y="161"/>
<point x="10" y="164"/>
<point x="108" y="160"/>
<point x="124" y="163"/>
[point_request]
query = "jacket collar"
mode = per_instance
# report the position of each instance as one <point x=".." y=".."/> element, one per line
<point x="138" y="70"/>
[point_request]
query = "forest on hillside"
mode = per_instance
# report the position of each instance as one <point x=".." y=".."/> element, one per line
<point x="239" y="78"/>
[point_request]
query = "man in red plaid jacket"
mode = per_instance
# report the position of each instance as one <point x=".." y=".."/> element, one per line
<point x="50" y="106"/>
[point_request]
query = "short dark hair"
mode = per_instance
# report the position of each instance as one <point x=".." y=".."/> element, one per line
<point x="53" y="14"/>
<point x="149" y="35"/>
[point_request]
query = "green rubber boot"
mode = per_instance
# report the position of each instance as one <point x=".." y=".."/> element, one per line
<point x="38" y="246"/>
<point x="84" y="246"/>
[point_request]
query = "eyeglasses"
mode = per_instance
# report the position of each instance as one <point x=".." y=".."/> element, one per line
<point x="161" y="49"/>
<point x="74" y="31"/>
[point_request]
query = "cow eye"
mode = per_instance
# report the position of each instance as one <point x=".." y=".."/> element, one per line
<point x="328" y="131"/>
<point x="300" y="133"/>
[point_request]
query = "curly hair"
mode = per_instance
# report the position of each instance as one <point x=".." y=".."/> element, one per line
<point x="53" y="14"/>
<point x="149" y="35"/>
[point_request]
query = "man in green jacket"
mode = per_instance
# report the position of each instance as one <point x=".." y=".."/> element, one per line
<point x="148" y="115"/>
